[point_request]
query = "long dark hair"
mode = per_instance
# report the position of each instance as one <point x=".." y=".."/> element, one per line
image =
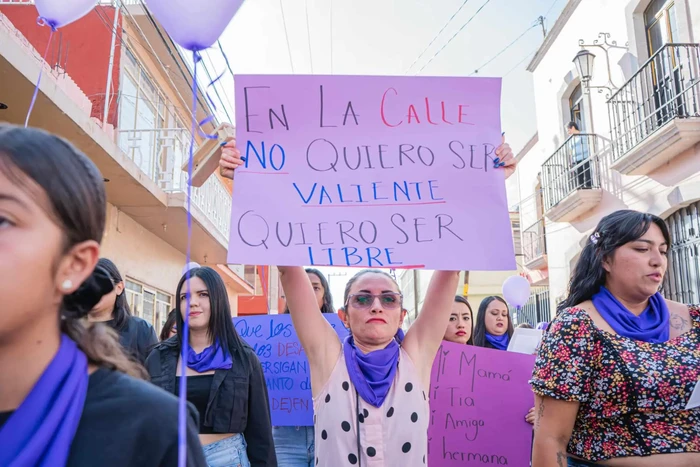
<point x="613" y="231"/>
<point x="480" y="327"/>
<point x="168" y="326"/>
<point x="75" y="191"/>
<point x="327" y="306"/>
<point x="461" y="299"/>
<point x="221" y="327"/>
<point x="121" y="311"/>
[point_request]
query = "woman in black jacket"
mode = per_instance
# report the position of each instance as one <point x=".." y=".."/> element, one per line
<point x="225" y="381"/>
<point x="136" y="335"/>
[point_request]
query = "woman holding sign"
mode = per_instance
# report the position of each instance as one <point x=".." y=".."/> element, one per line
<point x="69" y="395"/>
<point x="617" y="366"/>
<point x="370" y="391"/>
<point x="225" y="381"/>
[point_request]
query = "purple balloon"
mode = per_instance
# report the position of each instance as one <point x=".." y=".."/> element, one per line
<point x="194" y="24"/>
<point x="516" y="291"/>
<point x="58" y="13"/>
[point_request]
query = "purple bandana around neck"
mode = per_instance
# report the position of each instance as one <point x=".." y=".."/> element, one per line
<point x="40" y="432"/>
<point x="498" y="342"/>
<point x="650" y="326"/>
<point x="211" y="358"/>
<point x="373" y="374"/>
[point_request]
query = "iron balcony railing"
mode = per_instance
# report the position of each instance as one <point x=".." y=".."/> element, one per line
<point x="572" y="167"/>
<point x="534" y="242"/>
<point x="536" y="309"/>
<point x="160" y="154"/>
<point x="665" y="87"/>
<point x="682" y="281"/>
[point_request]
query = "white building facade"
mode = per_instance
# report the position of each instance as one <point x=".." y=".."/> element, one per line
<point x="637" y="105"/>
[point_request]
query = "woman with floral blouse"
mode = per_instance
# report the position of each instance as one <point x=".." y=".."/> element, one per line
<point x="618" y="364"/>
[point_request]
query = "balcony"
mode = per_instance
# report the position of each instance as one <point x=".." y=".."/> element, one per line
<point x="655" y="116"/>
<point x="535" y="246"/>
<point x="143" y="167"/>
<point x="571" y="179"/>
<point x="160" y="155"/>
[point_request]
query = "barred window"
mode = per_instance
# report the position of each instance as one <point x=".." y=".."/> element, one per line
<point x="682" y="281"/>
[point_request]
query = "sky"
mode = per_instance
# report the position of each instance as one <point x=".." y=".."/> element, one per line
<point x="387" y="37"/>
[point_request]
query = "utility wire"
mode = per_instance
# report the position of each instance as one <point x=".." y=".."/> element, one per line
<point x="505" y="48"/>
<point x="308" y="35"/>
<point x="286" y="36"/>
<point x="521" y="62"/>
<point x="454" y="35"/>
<point x="331" y="34"/>
<point x="436" y="35"/>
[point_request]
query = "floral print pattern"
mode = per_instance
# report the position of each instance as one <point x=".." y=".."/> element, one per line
<point x="632" y="394"/>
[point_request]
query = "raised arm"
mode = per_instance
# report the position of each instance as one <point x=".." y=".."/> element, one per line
<point x="425" y="335"/>
<point x="320" y="341"/>
<point x="554" y="424"/>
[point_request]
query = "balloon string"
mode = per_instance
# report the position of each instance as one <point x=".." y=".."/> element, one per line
<point x="41" y="21"/>
<point x="202" y="133"/>
<point x="182" y="402"/>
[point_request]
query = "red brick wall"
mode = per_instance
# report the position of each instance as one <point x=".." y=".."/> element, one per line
<point x="84" y="50"/>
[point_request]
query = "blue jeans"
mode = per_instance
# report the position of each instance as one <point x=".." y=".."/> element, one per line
<point x="229" y="452"/>
<point x="294" y="445"/>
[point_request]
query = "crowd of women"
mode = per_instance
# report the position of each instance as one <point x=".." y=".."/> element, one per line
<point x="613" y="375"/>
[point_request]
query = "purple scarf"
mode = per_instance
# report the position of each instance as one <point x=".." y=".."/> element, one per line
<point x="40" y="432"/>
<point x="498" y="342"/>
<point x="372" y="374"/>
<point x="211" y="358"/>
<point x="650" y="326"/>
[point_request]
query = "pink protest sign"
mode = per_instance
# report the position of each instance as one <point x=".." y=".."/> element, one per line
<point x="478" y="402"/>
<point x="370" y="171"/>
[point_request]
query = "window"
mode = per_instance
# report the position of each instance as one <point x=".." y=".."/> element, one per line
<point x="148" y="303"/>
<point x="682" y="281"/>
<point x="577" y="109"/>
<point x="660" y="23"/>
<point x="142" y="108"/>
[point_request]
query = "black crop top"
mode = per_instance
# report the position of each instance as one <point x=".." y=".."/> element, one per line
<point x="198" y="388"/>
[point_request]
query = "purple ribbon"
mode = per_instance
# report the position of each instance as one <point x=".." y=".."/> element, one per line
<point x="41" y="21"/>
<point x="185" y="351"/>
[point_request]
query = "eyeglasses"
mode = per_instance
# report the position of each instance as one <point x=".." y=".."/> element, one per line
<point x="390" y="300"/>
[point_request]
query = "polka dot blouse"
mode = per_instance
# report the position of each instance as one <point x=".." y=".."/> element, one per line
<point x="632" y="394"/>
<point x="395" y="434"/>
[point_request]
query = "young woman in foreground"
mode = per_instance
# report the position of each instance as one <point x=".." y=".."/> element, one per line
<point x="65" y="397"/>
<point x="370" y="392"/>
<point x="618" y="364"/>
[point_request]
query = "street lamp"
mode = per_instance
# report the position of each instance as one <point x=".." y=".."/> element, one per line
<point x="585" y="59"/>
<point x="584" y="65"/>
